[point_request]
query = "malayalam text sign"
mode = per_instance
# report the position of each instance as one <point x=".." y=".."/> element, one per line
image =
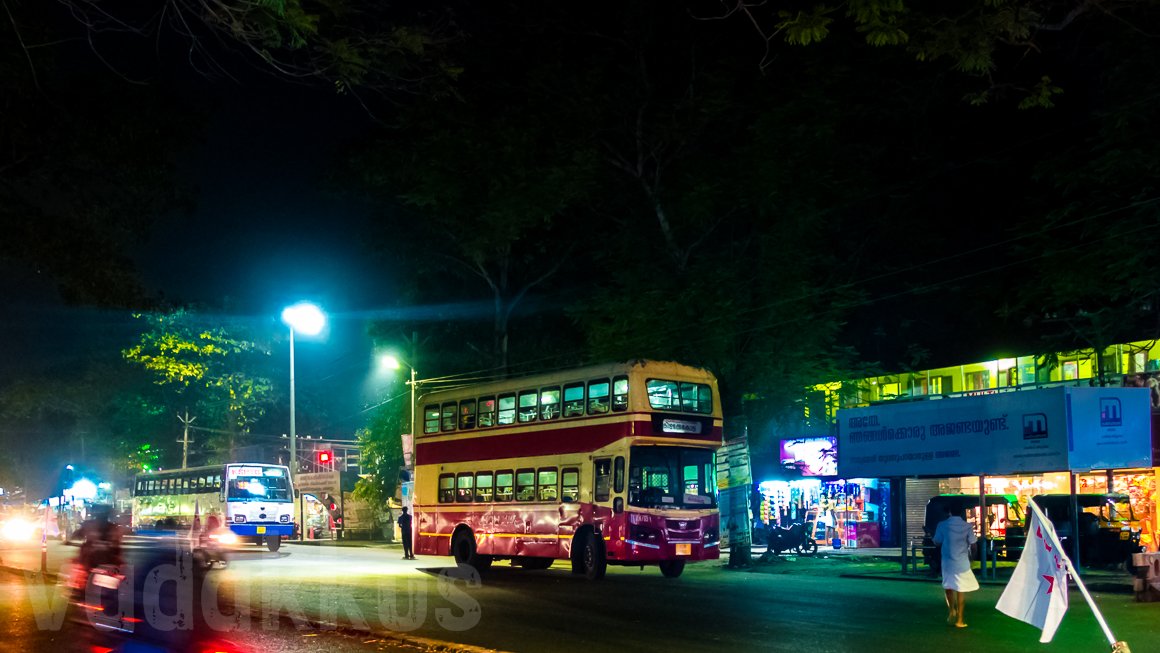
<point x="1006" y="433"/>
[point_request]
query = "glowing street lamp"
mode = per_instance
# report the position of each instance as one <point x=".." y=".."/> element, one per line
<point x="309" y="320"/>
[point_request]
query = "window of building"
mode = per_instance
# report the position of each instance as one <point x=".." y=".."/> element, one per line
<point x="486" y="412"/>
<point x="573" y="399"/>
<point x="464" y="488"/>
<point x="483" y="487"/>
<point x="507" y="409"/>
<point x="525" y="485"/>
<point x="446" y="488"/>
<point x="467" y="414"/>
<point x="570" y="484"/>
<point x="431" y="419"/>
<point x="550" y="403"/>
<point x="449" y="410"/>
<point x="598" y="397"/>
<point x="602" y="481"/>
<point x="503" y="485"/>
<point x="620" y="393"/>
<point x="528" y="405"/>
<point x="547" y="481"/>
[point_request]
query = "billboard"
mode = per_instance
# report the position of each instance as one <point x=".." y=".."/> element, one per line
<point x="1031" y="431"/>
<point x="812" y="456"/>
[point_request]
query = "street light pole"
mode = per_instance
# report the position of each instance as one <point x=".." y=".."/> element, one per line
<point x="293" y="434"/>
<point x="307" y="319"/>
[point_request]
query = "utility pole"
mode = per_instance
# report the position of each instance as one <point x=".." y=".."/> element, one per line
<point x="187" y="420"/>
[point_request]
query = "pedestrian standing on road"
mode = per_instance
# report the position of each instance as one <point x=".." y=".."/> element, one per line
<point x="404" y="521"/>
<point x="956" y="536"/>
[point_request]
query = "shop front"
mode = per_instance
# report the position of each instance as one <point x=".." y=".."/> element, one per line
<point x="848" y="512"/>
<point x="1090" y="448"/>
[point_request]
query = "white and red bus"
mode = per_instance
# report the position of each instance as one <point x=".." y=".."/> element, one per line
<point x="608" y="464"/>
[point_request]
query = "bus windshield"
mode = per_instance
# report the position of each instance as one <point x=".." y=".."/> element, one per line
<point x="671" y="477"/>
<point x="252" y="483"/>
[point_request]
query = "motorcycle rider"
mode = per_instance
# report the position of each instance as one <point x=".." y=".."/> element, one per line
<point x="101" y="540"/>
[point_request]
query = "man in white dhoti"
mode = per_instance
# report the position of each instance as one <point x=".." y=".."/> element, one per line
<point x="956" y="536"/>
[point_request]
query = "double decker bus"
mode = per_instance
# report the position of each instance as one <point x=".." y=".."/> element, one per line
<point x="602" y="465"/>
<point x="254" y="500"/>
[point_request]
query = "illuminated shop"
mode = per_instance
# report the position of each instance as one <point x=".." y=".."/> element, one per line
<point x="859" y="512"/>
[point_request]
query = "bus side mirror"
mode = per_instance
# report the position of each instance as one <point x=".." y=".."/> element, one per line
<point x="618" y="505"/>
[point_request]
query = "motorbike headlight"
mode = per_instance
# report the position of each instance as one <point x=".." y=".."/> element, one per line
<point x="226" y="538"/>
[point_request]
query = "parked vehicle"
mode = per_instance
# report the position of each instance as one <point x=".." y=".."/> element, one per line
<point x="1108" y="531"/>
<point x="795" y="537"/>
<point x="1004" y="524"/>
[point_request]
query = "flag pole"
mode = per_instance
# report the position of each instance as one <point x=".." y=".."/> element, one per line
<point x="1118" y="647"/>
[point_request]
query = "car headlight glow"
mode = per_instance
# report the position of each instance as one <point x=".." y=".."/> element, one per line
<point x="17" y="529"/>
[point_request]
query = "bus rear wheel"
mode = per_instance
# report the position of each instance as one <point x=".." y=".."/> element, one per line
<point x="672" y="568"/>
<point x="273" y="542"/>
<point x="463" y="550"/>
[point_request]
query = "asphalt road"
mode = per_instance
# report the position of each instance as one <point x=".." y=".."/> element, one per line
<point x="790" y="606"/>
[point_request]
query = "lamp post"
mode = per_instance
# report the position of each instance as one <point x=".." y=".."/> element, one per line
<point x="395" y="363"/>
<point x="308" y="320"/>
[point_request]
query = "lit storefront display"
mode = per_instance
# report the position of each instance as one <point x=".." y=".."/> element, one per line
<point x="1138" y="485"/>
<point x="857" y="512"/>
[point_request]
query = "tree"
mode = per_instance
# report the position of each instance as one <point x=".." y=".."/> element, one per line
<point x="219" y="372"/>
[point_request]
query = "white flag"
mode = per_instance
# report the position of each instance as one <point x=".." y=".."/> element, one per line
<point x="1037" y="592"/>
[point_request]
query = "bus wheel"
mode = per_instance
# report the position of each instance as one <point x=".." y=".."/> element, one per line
<point x="273" y="542"/>
<point x="672" y="568"/>
<point x="463" y="548"/>
<point x="592" y="560"/>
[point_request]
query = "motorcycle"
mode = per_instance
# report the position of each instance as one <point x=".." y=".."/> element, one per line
<point x="796" y="538"/>
<point x="211" y="547"/>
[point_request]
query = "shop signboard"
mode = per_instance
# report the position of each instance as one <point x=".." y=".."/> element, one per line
<point x="318" y="484"/>
<point x="1111" y="428"/>
<point x="1006" y="433"/>
<point x="1026" y="432"/>
<point x="733" y="489"/>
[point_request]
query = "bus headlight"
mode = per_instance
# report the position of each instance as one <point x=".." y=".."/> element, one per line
<point x="285" y="519"/>
<point x="239" y="519"/>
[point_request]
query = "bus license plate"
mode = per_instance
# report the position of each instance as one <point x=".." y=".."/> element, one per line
<point x="684" y="549"/>
<point x="261" y="530"/>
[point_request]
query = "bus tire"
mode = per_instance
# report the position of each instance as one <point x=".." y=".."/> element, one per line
<point x="463" y="548"/>
<point x="592" y="562"/>
<point x="273" y="542"/>
<point x="672" y="568"/>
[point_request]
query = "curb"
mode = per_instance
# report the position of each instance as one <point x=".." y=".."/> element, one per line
<point x="1092" y="585"/>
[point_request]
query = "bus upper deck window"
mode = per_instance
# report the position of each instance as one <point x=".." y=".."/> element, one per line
<point x="486" y="412"/>
<point x="573" y="399"/>
<point x="619" y="393"/>
<point x="467" y="414"/>
<point x="696" y="398"/>
<point x="663" y="395"/>
<point x="507" y="409"/>
<point x="449" y="422"/>
<point x="550" y="403"/>
<point x="528" y="405"/>
<point x="598" y="397"/>
<point x="431" y="418"/>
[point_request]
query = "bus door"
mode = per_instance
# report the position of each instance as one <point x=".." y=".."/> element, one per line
<point x="569" y="508"/>
<point x="607" y="496"/>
